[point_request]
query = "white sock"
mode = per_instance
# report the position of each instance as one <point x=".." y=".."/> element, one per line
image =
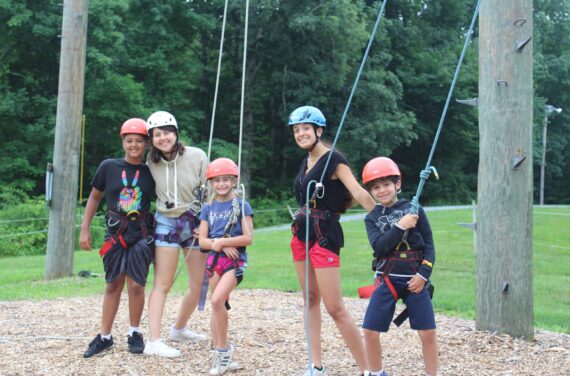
<point x="376" y="373"/>
<point x="106" y="336"/>
<point x="133" y="329"/>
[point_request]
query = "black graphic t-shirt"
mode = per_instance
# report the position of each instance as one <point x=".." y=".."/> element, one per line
<point x="332" y="200"/>
<point x="126" y="187"/>
<point x="384" y="235"/>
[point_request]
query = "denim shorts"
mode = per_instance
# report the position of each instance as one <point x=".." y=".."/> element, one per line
<point x="166" y="225"/>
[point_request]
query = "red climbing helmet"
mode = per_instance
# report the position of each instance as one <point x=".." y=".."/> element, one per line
<point x="221" y="167"/>
<point x="380" y="167"/>
<point x="134" y="126"/>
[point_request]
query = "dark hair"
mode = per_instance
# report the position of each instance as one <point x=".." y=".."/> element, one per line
<point x="155" y="154"/>
<point x="393" y="178"/>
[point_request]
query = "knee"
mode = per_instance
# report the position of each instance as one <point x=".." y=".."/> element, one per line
<point x="162" y="287"/>
<point x="314" y="299"/>
<point x="218" y="303"/>
<point x="337" y="311"/>
<point x="135" y="289"/>
<point x="115" y="287"/>
<point x="427" y="337"/>
<point x="370" y="335"/>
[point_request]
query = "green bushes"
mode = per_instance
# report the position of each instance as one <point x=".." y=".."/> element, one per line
<point x="23" y="228"/>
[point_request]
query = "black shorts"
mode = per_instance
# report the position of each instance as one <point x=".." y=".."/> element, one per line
<point x="135" y="261"/>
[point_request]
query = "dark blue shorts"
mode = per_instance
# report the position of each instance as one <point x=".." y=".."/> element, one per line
<point x="382" y="304"/>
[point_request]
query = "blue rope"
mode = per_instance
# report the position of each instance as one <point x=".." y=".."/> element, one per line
<point x="425" y="173"/>
<point x="307" y="214"/>
<point x="357" y="79"/>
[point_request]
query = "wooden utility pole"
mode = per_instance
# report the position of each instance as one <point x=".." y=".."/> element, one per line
<point x="59" y="260"/>
<point x="504" y="228"/>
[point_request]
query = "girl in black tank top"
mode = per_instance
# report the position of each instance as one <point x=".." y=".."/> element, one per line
<point x="325" y="235"/>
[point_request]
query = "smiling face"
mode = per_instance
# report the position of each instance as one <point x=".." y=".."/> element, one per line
<point x="164" y="139"/>
<point x="223" y="186"/>
<point x="134" y="146"/>
<point x="306" y="135"/>
<point x="385" y="191"/>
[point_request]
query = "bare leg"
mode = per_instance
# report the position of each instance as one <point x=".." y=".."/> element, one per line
<point x="166" y="259"/>
<point x="429" y="350"/>
<point x="329" y="286"/>
<point x="373" y="349"/>
<point x="196" y="264"/>
<point x="111" y="301"/>
<point x="136" y="302"/>
<point x="213" y="284"/>
<point x="221" y="293"/>
<point x="315" y="319"/>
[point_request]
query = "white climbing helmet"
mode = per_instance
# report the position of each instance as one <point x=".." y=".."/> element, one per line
<point x="161" y="119"/>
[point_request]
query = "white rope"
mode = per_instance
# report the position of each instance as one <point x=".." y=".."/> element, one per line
<point x="217" y="79"/>
<point x="243" y="87"/>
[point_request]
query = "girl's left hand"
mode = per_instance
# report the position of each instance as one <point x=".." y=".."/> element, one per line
<point x="231" y="252"/>
<point x="416" y="284"/>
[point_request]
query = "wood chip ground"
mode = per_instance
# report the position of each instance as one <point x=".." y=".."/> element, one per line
<point x="49" y="338"/>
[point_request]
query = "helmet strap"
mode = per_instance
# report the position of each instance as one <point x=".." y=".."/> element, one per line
<point x="317" y="139"/>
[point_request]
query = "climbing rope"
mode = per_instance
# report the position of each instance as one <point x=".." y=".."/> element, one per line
<point x="217" y="78"/>
<point x="319" y="187"/>
<point x="426" y="172"/>
<point x="246" y="27"/>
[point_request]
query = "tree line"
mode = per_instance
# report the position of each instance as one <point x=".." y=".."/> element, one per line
<point x="144" y="56"/>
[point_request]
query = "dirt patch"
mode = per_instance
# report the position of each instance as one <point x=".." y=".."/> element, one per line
<point x="49" y="337"/>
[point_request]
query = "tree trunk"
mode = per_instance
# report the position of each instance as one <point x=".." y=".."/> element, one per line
<point x="504" y="229"/>
<point x="61" y="233"/>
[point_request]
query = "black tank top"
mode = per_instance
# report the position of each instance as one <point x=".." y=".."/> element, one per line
<point x="333" y="199"/>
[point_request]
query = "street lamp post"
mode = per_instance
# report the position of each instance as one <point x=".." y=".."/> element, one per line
<point x="548" y="109"/>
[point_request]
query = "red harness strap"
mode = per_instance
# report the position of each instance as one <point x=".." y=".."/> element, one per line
<point x="123" y="220"/>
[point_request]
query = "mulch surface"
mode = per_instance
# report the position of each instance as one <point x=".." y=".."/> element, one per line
<point x="266" y="327"/>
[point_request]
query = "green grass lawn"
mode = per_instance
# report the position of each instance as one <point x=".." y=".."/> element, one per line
<point x="270" y="267"/>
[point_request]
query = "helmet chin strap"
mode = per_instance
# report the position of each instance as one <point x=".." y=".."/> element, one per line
<point x="313" y="146"/>
<point x="317" y="139"/>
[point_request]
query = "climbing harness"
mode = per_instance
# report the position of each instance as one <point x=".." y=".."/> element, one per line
<point x="183" y="233"/>
<point x="120" y="223"/>
<point x="210" y="268"/>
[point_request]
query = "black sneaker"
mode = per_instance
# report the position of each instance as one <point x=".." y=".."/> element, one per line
<point x="136" y="343"/>
<point x="97" y="345"/>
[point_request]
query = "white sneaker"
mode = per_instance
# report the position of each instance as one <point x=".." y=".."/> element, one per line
<point x="316" y="372"/>
<point x="159" y="348"/>
<point x="185" y="335"/>
<point x="223" y="362"/>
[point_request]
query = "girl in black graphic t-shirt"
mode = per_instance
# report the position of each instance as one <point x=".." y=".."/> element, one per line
<point x="325" y="233"/>
<point x="128" y="187"/>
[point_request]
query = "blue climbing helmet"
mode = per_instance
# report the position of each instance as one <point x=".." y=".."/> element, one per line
<point x="307" y="114"/>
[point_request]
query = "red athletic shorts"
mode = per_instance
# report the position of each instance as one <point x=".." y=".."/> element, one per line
<point x="318" y="256"/>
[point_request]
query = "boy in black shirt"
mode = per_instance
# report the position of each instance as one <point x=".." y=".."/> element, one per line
<point x="404" y="256"/>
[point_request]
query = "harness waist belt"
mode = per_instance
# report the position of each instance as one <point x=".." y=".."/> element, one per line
<point x="326" y="215"/>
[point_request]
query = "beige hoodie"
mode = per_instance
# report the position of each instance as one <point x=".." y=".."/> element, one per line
<point x="178" y="181"/>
